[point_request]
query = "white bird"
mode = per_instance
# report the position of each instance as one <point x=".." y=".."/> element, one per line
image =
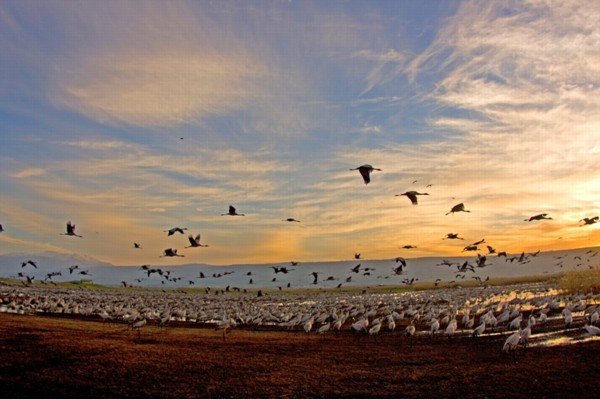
<point x="375" y="329"/>
<point x="451" y="328"/>
<point x="365" y="171"/>
<point x="592" y="330"/>
<point x="512" y="342"/>
<point x="195" y="241"/>
<point x="138" y="325"/>
<point x="324" y="328"/>
<point x="435" y="326"/>
<point x="479" y="329"/>
<point x="308" y="324"/>
<point x="410" y="330"/>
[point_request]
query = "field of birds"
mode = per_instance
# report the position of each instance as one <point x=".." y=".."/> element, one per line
<point x="534" y="339"/>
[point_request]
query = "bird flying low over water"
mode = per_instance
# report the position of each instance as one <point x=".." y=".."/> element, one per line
<point x="232" y="212"/>
<point x="70" y="230"/>
<point x="458" y="208"/>
<point x="365" y="171"/>
<point x="195" y="241"/>
<point x="412" y="196"/>
<point x="175" y="230"/>
<point x="170" y="252"/>
<point x="585" y="221"/>
<point x="538" y="217"/>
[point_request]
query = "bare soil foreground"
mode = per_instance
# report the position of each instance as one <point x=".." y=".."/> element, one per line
<point x="57" y="357"/>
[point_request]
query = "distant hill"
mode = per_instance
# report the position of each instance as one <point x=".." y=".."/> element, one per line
<point x="329" y="274"/>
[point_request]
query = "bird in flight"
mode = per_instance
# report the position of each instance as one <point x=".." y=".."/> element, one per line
<point x="412" y="196"/>
<point x="170" y="252"/>
<point x="453" y="236"/>
<point x="290" y="220"/>
<point x="29" y="262"/>
<point x="70" y="230"/>
<point x="71" y="268"/>
<point x="458" y="208"/>
<point x="195" y="241"/>
<point x="365" y="171"/>
<point x="137" y="245"/>
<point x="409" y="247"/>
<point x="538" y="217"/>
<point x="175" y="230"/>
<point x="232" y="212"/>
<point x="585" y="221"/>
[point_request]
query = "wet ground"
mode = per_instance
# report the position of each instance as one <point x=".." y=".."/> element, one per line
<point x="58" y="357"/>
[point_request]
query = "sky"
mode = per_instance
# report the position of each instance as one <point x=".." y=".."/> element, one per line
<point x="130" y="118"/>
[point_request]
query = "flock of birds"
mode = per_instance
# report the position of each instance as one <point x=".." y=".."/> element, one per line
<point x="469" y="312"/>
<point x="481" y="260"/>
<point x="522" y="314"/>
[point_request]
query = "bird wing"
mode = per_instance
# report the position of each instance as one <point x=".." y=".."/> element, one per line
<point x="365" y="173"/>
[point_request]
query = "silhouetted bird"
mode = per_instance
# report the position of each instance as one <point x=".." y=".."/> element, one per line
<point x="538" y="217"/>
<point x="412" y="196"/>
<point x="136" y="245"/>
<point x="585" y="221"/>
<point x="195" y="242"/>
<point x="458" y="208"/>
<point x="290" y="220"/>
<point x="70" y="230"/>
<point x="29" y="262"/>
<point x="453" y="236"/>
<point x="175" y="230"/>
<point x="170" y="252"/>
<point x="365" y="172"/>
<point x="232" y="212"/>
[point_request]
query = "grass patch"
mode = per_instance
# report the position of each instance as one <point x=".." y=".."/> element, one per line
<point x="581" y="281"/>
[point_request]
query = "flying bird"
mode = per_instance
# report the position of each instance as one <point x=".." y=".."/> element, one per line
<point x="232" y="212"/>
<point x="409" y="247"/>
<point x="137" y="245"/>
<point x="290" y="220"/>
<point x="70" y="230"/>
<point x="170" y="252"/>
<point x="458" y="208"/>
<point x="365" y="171"/>
<point x="412" y="196"/>
<point x="195" y="241"/>
<point x="175" y="230"/>
<point x="71" y="268"/>
<point x="452" y="236"/>
<point x="585" y="221"/>
<point x="29" y="262"/>
<point x="538" y="217"/>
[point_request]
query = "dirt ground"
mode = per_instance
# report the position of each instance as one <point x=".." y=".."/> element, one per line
<point x="56" y="357"/>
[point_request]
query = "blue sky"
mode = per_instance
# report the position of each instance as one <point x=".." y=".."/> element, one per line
<point x="129" y="118"/>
